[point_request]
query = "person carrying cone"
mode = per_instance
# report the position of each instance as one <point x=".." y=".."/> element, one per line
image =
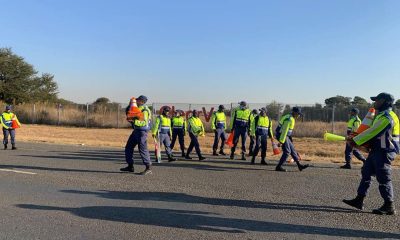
<point x="261" y="128"/>
<point x="196" y="128"/>
<point x="162" y="131"/>
<point x="284" y="135"/>
<point x="240" y="118"/>
<point x="352" y="126"/>
<point x="218" y="125"/>
<point x="179" y="127"/>
<point x="9" y="122"/>
<point x="383" y="139"/>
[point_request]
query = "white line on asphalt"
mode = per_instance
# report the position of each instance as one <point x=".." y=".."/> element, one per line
<point x="16" y="171"/>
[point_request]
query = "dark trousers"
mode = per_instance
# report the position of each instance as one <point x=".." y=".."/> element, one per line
<point x="180" y="133"/>
<point x="239" y="132"/>
<point x="8" y="132"/>
<point x="219" y="134"/>
<point x="137" y="138"/>
<point x="261" y="142"/>
<point x="194" y="143"/>
<point x="252" y="146"/>
<point x="347" y="153"/>
<point x="288" y="150"/>
<point x="166" y="140"/>
<point x="378" y="162"/>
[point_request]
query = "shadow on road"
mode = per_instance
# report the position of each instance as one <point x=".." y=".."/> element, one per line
<point x="186" y="198"/>
<point x="205" y="221"/>
<point x="54" y="169"/>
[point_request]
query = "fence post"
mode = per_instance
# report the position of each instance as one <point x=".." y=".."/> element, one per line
<point x="118" y="113"/>
<point x="87" y="115"/>
<point x="33" y="114"/>
<point x="58" y="113"/>
<point x="333" y="118"/>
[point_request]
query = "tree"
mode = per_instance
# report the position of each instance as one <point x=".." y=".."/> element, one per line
<point x="19" y="82"/>
<point x="338" y="100"/>
<point x="359" y="101"/>
<point x="102" y="101"/>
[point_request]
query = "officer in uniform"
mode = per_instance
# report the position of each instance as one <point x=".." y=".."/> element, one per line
<point x="7" y="118"/>
<point x="284" y="135"/>
<point x="162" y="128"/>
<point x="218" y="124"/>
<point x="261" y="128"/>
<point x="139" y="137"/>
<point x="254" y="114"/>
<point x="195" y="129"/>
<point x="240" y="118"/>
<point x="352" y="126"/>
<point x="382" y="138"/>
<point x="179" y="128"/>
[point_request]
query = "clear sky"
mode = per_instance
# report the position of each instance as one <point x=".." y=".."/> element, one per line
<point x="209" y="51"/>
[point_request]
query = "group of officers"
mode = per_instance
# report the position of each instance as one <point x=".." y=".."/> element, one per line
<point x="382" y="138"/>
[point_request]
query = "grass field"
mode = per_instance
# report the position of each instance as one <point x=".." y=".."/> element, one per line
<point x="310" y="149"/>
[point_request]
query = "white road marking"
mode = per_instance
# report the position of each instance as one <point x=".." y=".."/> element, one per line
<point x="16" y="171"/>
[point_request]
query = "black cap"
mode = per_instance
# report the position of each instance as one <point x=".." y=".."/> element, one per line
<point x="355" y="110"/>
<point x="386" y="96"/>
<point x="297" y="110"/>
<point x="166" y="109"/>
<point x="8" y="107"/>
<point x="142" y="98"/>
<point x="254" y="111"/>
<point x="243" y="103"/>
<point x="263" y="109"/>
<point x="221" y="107"/>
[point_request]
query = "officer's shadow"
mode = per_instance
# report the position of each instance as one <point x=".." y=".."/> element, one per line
<point x="204" y="221"/>
<point x="192" y="199"/>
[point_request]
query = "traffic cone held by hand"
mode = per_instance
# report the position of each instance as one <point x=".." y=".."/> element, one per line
<point x="275" y="148"/>
<point x="134" y="111"/>
<point x="229" y="141"/>
<point x="367" y="121"/>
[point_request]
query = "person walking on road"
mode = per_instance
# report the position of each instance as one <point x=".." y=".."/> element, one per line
<point x="261" y="128"/>
<point x="284" y="135"/>
<point x="352" y="126"/>
<point x="383" y="140"/>
<point x="240" y="118"/>
<point x="139" y="137"/>
<point x="218" y="125"/>
<point x="9" y="122"/>
<point x="162" y="131"/>
<point x="195" y="129"/>
<point x="179" y="128"/>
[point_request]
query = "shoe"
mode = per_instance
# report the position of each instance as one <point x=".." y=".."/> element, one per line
<point x="232" y="156"/>
<point x="127" y="169"/>
<point x="386" y="209"/>
<point x="357" y="202"/>
<point x="146" y="172"/>
<point x="183" y="155"/>
<point x="243" y="157"/>
<point x="13" y="148"/>
<point x="171" y="158"/>
<point x="5" y="146"/>
<point x="263" y="162"/>
<point x="201" y="158"/>
<point x="215" y="153"/>
<point x="187" y="156"/>
<point x="302" y="167"/>
<point x="346" y="166"/>
<point x="253" y="161"/>
<point x="222" y="153"/>
<point x="280" y="169"/>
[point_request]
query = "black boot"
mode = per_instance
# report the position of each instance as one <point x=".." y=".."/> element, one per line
<point x="279" y="168"/>
<point x="183" y="154"/>
<point x="201" y="158"/>
<point x="243" y="157"/>
<point x="129" y="168"/>
<point x="221" y="152"/>
<point x="171" y="158"/>
<point x="5" y="146"/>
<point x="13" y="147"/>
<point x="215" y="152"/>
<point x="232" y="156"/>
<point x="386" y="209"/>
<point x="147" y="170"/>
<point x="357" y="202"/>
<point x="302" y="167"/>
<point x="263" y="162"/>
<point x="187" y="156"/>
<point x="346" y="166"/>
<point x="253" y="160"/>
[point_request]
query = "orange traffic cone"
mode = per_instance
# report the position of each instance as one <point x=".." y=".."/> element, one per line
<point x="275" y="148"/>
<point x="229" y="141"/>
<point x="14" y="124"/>
<point x="367" y="121"/>
<point x="133" y="111"/>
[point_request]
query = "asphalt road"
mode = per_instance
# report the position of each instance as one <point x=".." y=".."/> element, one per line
<point x="77" y="192"/>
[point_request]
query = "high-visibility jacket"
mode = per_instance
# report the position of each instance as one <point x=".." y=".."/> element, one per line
<point x="196" y="126"/>
<point x="143" y="125"/>
<point x="285" y="127"/>
<point x="261" y="126"/>
<point x="7" y="118"/>
<point x="178" y="123"/>
<point x="353" y="124"/>
<point x="240" y="118"/>
<point x="383" y="134"/>
<point x="218" y="120"/>
<point x="162" y="125"/>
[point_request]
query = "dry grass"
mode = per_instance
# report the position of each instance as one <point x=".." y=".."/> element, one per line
<point x="311" y="149"/>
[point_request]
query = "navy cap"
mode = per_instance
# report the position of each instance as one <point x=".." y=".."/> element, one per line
<point x="263" y="109"/>
<point x="221" y="107"/>
<point x="254" y="111"/>
<point x="386" y="96"/>
<point x="355" y="110"/>
<point x="296" y="110"/>
<point x="8" y="107"/>
<point x="142" y="98"/>
<point x="166" y="109"/>
<point x="243" y="103"/>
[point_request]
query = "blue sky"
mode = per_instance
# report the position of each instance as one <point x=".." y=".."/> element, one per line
<point x="209" y="51"/>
